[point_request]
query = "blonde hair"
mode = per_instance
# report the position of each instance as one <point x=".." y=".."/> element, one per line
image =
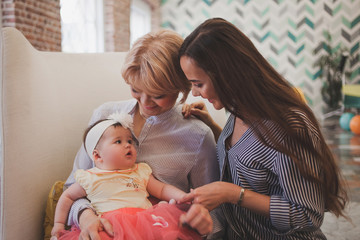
<point x="153" y="64"/>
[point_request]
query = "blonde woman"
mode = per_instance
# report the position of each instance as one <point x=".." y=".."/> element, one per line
<point x="180" y="152"/>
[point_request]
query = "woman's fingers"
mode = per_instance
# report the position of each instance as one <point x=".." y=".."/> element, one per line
<point x="94" y="236"/>
<point x="107" y="226"/>
<point x="198" y="218"/>
<point x="90" y="227"/>
<point x="186" y="110"/>
<point x="92" y="233"/>
<point x="198" y="105"/>
<point x="196" y="108"/>
<point x="189" y="197"/>
<point x="197" y="112"/>
<point x="84" y="236"/>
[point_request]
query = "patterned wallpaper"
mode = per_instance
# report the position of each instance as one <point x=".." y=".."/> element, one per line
<point x="285" y="31"/>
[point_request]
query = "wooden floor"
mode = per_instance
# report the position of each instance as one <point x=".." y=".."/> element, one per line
<point x="346" y="148"/>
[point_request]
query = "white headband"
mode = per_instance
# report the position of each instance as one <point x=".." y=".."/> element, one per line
<point x="95" y="133"/>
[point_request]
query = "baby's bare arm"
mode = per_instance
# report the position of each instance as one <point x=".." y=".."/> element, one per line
<point x="67" y="198"/>
<point x="163" y="191"/>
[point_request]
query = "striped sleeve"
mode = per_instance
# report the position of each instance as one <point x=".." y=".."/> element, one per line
<point x="279" y="213"/>
<point x="76" y="208"/>
<point x="301" y="206"/>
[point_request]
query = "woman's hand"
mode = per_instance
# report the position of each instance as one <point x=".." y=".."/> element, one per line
<point x="210" y="195"/>
<point x="90" y="225"/>
<point x="199" y="110"/>
<point x="213" y="194"/>
<point x="198" y="217"/>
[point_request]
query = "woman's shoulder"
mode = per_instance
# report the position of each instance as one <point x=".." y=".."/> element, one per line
<point x="194" y="124"/>
<point x="300" y="121"/>
<point x="298" y="118"/>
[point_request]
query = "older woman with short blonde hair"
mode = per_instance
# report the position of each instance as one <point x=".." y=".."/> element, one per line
<point x="180" y="152"/>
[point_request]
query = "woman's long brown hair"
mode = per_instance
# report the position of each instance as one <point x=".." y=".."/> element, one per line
<point x="251" y="89"/>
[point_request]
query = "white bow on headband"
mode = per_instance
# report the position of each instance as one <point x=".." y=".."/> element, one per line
<point x="97" y="131"/>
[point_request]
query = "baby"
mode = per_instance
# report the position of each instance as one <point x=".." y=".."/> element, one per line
<point x="118" y="188"/>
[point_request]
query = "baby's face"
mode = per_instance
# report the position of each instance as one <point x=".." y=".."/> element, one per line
<point x="116" y="149"/>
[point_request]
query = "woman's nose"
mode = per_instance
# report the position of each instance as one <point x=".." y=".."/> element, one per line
<point x="194" y="92"/>
<point x="145" y="98"/>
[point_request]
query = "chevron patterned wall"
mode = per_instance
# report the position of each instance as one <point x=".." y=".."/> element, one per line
<point x="285" y="31"/>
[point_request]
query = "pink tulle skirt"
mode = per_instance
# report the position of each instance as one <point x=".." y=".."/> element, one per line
<point x="158" y="222"/>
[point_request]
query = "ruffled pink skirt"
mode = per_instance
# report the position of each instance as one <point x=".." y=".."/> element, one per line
<point x="158" y="222"/>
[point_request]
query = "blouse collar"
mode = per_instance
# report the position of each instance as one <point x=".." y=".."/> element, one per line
<point x="157" y="118"/>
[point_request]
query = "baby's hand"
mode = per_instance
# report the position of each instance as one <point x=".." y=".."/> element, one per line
<point x="58" y="227"/>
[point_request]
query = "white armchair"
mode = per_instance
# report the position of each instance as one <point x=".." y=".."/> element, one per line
<point x="47" y="99"/>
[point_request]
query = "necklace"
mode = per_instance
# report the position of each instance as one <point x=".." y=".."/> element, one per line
<point x="142" y="115"/>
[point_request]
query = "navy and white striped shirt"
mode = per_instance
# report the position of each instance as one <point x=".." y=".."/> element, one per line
<point x="296" y="205"/>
